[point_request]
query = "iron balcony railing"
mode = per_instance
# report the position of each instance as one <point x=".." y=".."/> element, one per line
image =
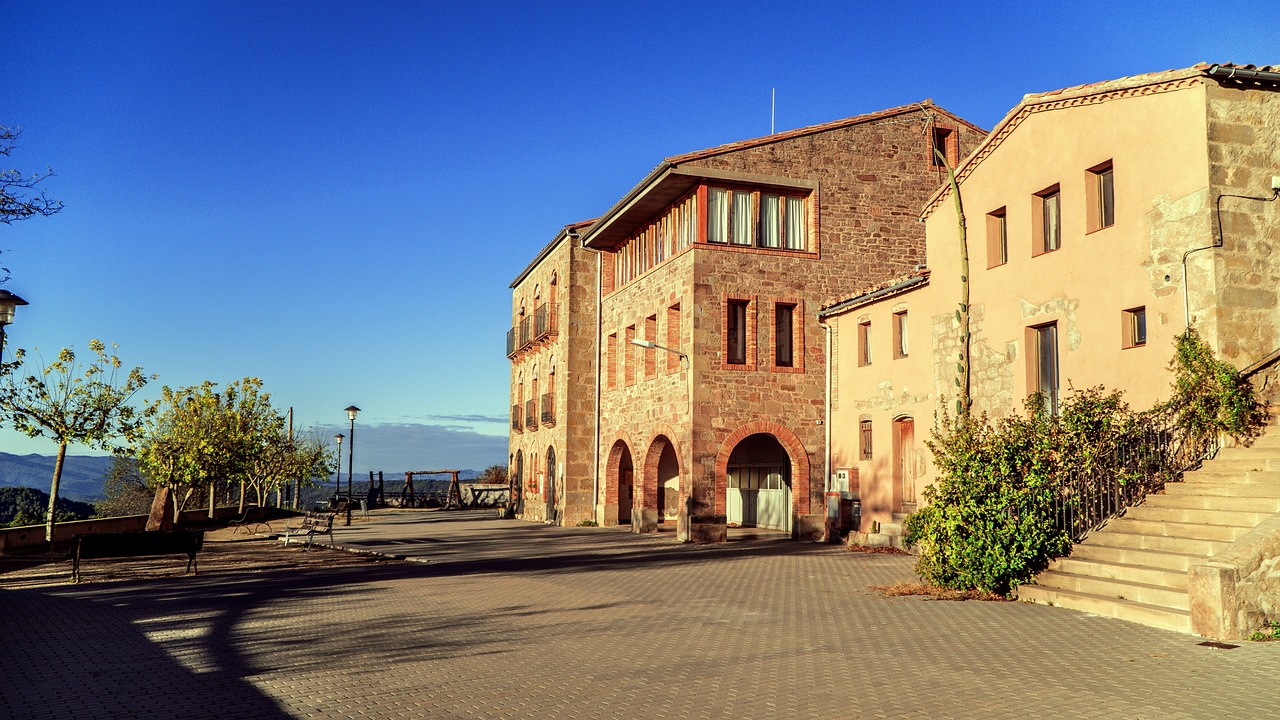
<point x="515" y="417"/>
<point x="530" y="418"/>
<point x="548" y="409"/>
<point x="544" y="321"/>
<point x="1086" y="500"/>
<point x="511" y="342"/>
<point x="526" y="336"/>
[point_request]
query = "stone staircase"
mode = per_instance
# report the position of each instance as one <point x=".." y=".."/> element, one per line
<point x="892" y="534"/>
<point x="1136" y="567"/>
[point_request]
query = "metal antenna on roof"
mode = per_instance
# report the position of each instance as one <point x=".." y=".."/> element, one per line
<point x="773" y="109"/>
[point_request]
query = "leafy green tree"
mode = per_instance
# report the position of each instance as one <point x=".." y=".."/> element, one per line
<point x="183" y="445"/>
<point x="60" y="403"/>
<point x="493" y="475"/>
<point x="20" y="506"/>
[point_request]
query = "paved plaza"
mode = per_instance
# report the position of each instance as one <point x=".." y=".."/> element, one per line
<point x="506" y="619"/>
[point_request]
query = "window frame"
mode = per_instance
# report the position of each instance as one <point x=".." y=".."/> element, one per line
<point x="1133" y="327"/>
<point x="1044" y="241"/>
<point x="792" y="336"/>
<point x="997" y="237"/>
<point x="789" y="203"/>
<point x="866" y="437"/>
<point x="1036" y="366"/>
<point x="864" y="343"/>
<point x="745" y="326"/>
<point x="1100" y="198"/>
<point x="901" y="332"/>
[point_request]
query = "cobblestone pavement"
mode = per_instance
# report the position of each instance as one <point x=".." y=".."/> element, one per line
<point x="505" y="619"/>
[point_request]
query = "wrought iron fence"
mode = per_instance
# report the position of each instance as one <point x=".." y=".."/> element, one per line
<point x="511" y="342"/>
<point x="1147" y="458"/>
<point x="530" y="419"/>
<point x="526" y="336"/>
<point x="515" y="417"/>
<point x="544" y="321"/>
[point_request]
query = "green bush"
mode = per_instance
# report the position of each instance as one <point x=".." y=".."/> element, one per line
<point x="989" y="519"/>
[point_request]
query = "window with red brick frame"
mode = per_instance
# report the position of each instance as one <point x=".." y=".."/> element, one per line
<point x="673" y="338"/>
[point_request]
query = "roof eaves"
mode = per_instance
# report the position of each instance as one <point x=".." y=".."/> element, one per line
<point x="566" y="231"/>
<point x="891" y="288"/>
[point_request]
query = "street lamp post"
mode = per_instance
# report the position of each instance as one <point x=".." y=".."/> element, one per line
<point x="337" y="469"/>
<point x="351" y="448"/>
<point x="685" y="365"/>
<point x="8" y="302"/>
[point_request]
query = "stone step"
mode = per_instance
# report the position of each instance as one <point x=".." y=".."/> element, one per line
<point x="1196" y="547"/>
<point x="1215" y="502"/>
<point x="1150" y="615"/>
<point x="1232" y="518"/>
<point x="1122" y="572"/>
<point x="1200" y="531"/>
<point x="1270" y="440"/>
<point x="893" y="528"/>
<point x="1222" y="465"/>
<point x="1179" y="561"/>
<point x="1106" y="587"/>
<point x="1223" y="489"/>
<point x="1254" y="452"/>
<point x="1210" y="476"/>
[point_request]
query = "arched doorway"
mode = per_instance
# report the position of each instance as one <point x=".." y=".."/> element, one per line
<point x="668" y="481"/>
<point x="758" y="484"/>
<point x="620" y="487"/>
<point x="553" y="515"/>
<point x="517" y="484"/>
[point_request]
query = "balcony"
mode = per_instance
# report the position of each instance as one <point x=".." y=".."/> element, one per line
<point x="515" y="417"/>
<point x="548" y="409"/>
<point x="511" y="342"/>
<point x="544" y="321"/>
<point x="526" y="336"/>
<point x="530" y="416"/>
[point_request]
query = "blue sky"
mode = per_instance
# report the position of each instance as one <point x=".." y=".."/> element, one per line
<point x="335" y="196"/>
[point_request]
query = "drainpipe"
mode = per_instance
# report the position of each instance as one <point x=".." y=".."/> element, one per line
<point x="595" y="486"/>
<point x="1217" y="220"/>
<point x="826" y="431"/>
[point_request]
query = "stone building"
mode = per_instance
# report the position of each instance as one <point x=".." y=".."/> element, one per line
<point x="1102" y="220"/>
<point x="552" y="349"/>
<point x="712" y="369"/>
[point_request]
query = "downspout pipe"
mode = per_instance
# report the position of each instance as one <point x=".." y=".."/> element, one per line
<point x="1217" y="235"/>
<point x="595" y="486"/>
<point x="832" y="522"/>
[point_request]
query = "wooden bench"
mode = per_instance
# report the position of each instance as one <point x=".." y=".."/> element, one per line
<point x="311" y="524"/>
<point x="134" y="544"/>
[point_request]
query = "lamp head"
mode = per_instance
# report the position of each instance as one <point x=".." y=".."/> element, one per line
<point x="9" y="301"/>
<point x="351" y="412"/>
<point x="339" y="437"/>
<point x="646" y="344"/>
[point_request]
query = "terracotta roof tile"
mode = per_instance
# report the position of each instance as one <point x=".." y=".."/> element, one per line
<point x="866" y="292"/>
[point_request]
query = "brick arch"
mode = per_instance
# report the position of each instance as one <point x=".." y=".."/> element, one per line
<point x="652" y="455"/>
<point x="789" y="442"/>
<point x="613" y="460"/>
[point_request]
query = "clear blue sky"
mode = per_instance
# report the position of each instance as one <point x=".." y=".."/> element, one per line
<point x="335" y="196"/>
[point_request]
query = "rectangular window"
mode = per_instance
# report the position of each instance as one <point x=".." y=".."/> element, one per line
<point x="611" y="360"/>
<point x="743" y="218"/>
<point x="1048" y="215"/>
<point x="900" y="334"/>
<point x="629" y="357"/>
<point x="797" y="224"/>
<point x="770" y="221"/>
<point x="673" y="338"/>
<point x="784" y="335"/>
<point x="864" y="343"/>
<point x="651" y="354"/>
<point x="736" y="332"/>
<point x="1135" y="327"/>
<point x="1100" y="197"/>
<point x="864" y="427"/>
<point x="946" y="144"/>
<point x="997" y="238"/>
<point x="717" y="215"/>
<point x="1045" y="343"/>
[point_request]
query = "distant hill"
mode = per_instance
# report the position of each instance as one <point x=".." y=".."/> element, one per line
<point x="81" y="474"/>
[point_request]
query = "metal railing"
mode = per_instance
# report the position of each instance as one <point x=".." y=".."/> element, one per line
<point x="511" y="342"/>
<point x="1087" y="498"/>
<point x="515" y="417"/>
<point x="548" y="409"/>
<point x="544" y="321"/>
<point x="526" y="337"/>
<point x="530" y="417"/>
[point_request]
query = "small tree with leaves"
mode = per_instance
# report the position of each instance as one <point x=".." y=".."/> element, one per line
<point x="68" y="406"/>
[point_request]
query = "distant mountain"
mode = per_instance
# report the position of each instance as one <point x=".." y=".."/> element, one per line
<point x="81" y="474"/>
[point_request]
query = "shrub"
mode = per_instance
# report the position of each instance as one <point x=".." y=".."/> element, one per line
<point x="1210" y="396"/>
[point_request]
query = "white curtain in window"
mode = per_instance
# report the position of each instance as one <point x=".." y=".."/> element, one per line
<point x="770" y="221"/>
<point x="797" y="224"/>
<point x="717" y="215"/>
<point x="742" y="218"/>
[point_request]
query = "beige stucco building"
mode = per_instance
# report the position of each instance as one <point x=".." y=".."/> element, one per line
<point x="1101" y="221"/>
